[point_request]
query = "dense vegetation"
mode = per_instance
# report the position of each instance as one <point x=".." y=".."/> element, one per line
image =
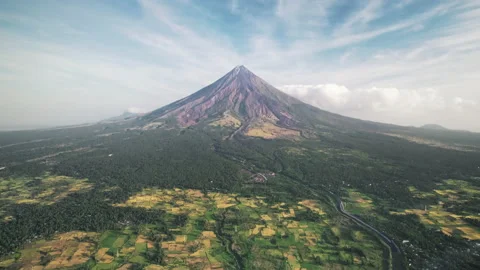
<point x="121" y="162"/>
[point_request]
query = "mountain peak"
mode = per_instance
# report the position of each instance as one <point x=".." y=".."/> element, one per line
<point x="240" y="95"/>
<point x="240" y="67"/>
<point x="240" y="70"/>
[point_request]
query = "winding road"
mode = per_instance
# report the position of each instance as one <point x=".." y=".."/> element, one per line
<point x="395" y="252"/>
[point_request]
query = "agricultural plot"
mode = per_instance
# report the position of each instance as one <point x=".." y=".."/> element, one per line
<point x="44" y="190"/>
<point x="298" y="236"/>
<point x="264" y="236"/>
<point x="192" y="241"/>
<point x="212" y="231"/>
<point x="448" y="213"/>
<point x="116" y="249"/>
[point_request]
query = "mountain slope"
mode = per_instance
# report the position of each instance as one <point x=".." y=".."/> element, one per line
<point x="256" y="108"/>
<point x="241" y="92"/>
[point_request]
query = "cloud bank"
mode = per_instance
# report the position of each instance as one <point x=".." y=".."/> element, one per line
<point x="381" y="104"/>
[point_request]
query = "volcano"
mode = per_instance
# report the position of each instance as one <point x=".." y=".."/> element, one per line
<point x="242" y="100"/>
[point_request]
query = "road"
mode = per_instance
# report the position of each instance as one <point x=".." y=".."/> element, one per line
<point x="393" y="247"/>
<point x="396" y="253"/>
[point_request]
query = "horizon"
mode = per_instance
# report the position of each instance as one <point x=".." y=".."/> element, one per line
<point x="140" y="112"/>
<point x="407" y="63"/>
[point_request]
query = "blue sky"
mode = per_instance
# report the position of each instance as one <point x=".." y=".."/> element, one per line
<point x="407" y="62"/>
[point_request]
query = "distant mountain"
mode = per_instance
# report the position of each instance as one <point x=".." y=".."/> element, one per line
<point x="434" y="127"/>
<point x="244" y="101"/>
<point x="123" y="117"/>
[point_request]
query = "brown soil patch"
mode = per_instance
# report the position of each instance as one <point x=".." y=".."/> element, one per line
<point x="268" y="232"/>
<point x="102" y="256"/>
<point x="208" y="234"/>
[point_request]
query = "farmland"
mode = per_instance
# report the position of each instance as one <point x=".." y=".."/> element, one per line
<point x="212" y="231"/>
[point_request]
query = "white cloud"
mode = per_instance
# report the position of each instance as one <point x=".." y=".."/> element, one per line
<point x="340" y="98"/>
<point x="370" y="12"/>
<point x="461" y="104"/>
<point x="302" y="15"/>
<point x="234" y="6"/>
<point x="403" y="3"/>
<point x="417" y="27"/>
<point x="347" y="55"/>
<point x="380" y="104"/>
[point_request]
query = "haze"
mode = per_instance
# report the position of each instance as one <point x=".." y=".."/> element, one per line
<point x="405" y="62"/>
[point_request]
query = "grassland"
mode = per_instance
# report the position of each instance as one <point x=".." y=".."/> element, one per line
<point x="219" y="231"/>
